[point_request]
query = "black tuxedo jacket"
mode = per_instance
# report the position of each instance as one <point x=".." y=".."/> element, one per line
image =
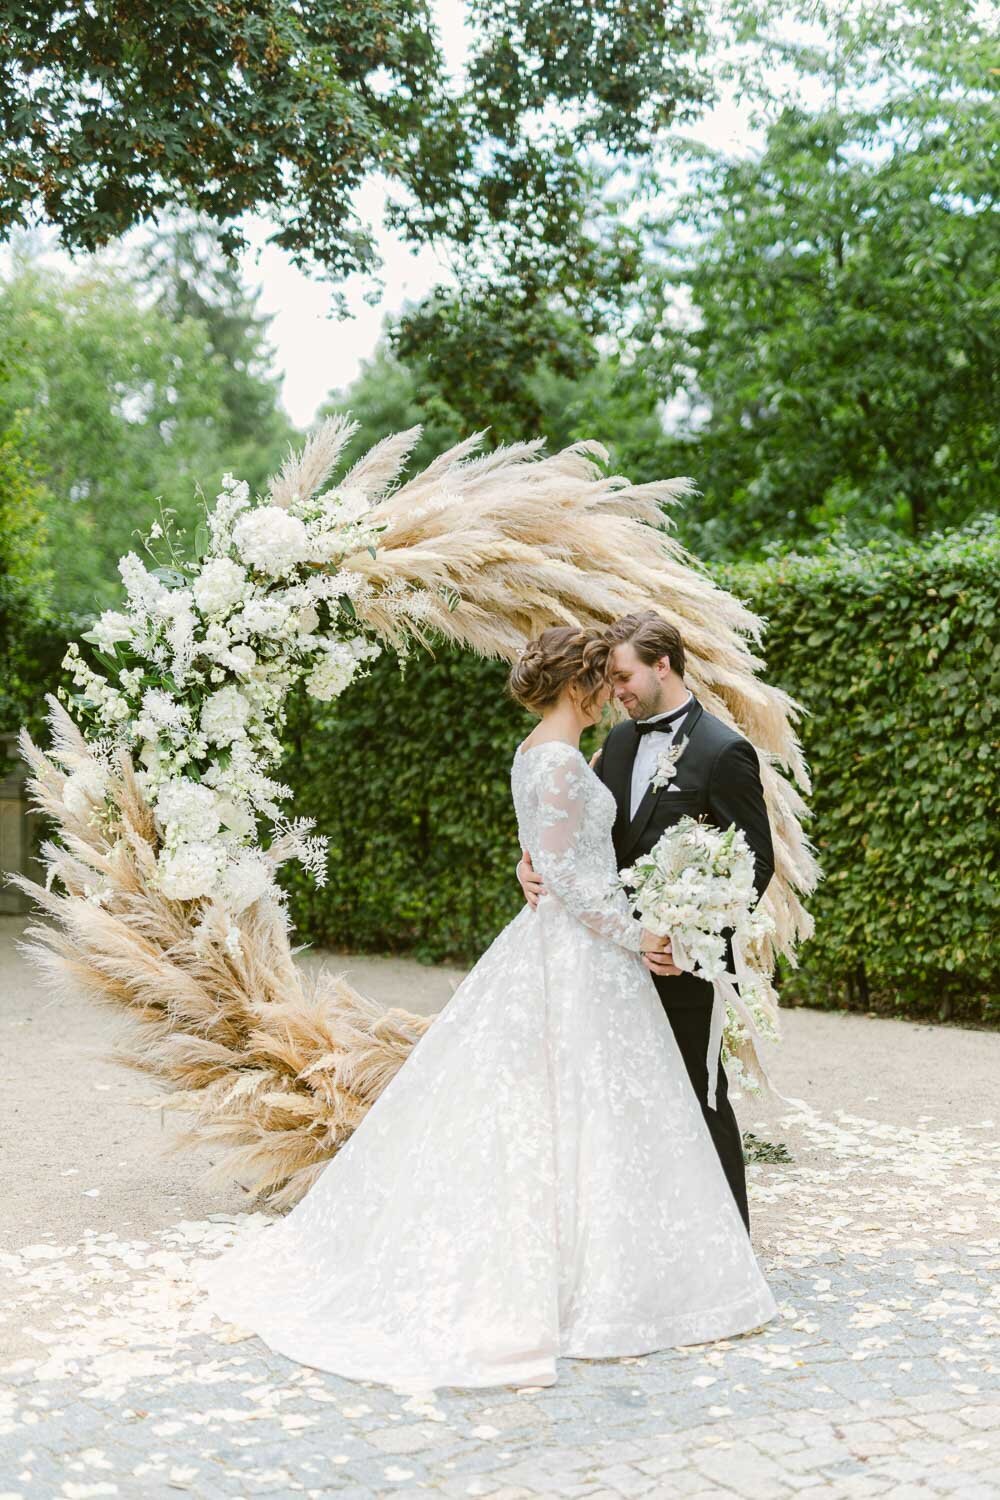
<point x="718" y="779"/>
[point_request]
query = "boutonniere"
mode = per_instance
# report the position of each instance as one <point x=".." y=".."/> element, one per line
<point x="666" y="764"/>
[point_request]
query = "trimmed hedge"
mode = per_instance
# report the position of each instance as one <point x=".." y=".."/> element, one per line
<point x="893" y="653"/>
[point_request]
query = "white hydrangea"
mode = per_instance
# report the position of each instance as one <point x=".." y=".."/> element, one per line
<point x="332" y="673"/>
<point x="224" y="715"/>
<point x="219" y="586"/>
<point x="261" y="617"/>
<point x="271" y="540"/>
<point x="240" y="659"/>
<point x="83" y="789"/>
<point x="187" y="810"/>
<point x="190" y="870"/>
<point x="244" y="880"/>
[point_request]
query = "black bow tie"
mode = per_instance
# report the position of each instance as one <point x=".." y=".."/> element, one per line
<point x="664" y="725"/>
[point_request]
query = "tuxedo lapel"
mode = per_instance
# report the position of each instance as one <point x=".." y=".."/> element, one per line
<point x="635" y="827"/>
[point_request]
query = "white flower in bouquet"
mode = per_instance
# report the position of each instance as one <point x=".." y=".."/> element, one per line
<point x="236" y="817"/>
<point x="271" y="540"/>
<point x="84" y="789"/>
<point x="224" y="715"/>
<point x="307" y="619"/>
<point x="219" y="586"/>
<point x="111" y="628"/>
<point x="244" y="880"/>
<point x="332" y="673"/>
<point x="694" y="885"/>
<point x="233" y="498"/>
<point x="239" y="659"/>
<point x="261" y="617"/>
<point x="160" y="710"/>
<point x="190" y="870"/>
<point x="187" y="810"/>
<point x="145" y="592"/>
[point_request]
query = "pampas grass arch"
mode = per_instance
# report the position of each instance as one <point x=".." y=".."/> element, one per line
<point x="275" y="1066"/>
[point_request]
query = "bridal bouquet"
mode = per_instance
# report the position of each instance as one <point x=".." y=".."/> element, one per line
<point x="695" y="886"/>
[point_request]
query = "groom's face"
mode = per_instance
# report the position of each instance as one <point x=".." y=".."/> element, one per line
<point x="638" y="687"/>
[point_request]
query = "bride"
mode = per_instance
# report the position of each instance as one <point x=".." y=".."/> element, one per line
<point x="538" y="1179"/>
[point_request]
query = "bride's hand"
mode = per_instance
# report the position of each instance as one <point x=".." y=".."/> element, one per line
<point x="652" y="943"/>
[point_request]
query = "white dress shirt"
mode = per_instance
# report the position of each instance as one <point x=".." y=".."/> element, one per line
<point x="650" y="747"/>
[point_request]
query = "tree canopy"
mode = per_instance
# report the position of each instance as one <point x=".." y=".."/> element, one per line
<point x="113" y="114"/>
<point x="828" y="305"/>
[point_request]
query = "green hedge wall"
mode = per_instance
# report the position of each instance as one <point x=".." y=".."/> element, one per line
<point x="893" y="653"/>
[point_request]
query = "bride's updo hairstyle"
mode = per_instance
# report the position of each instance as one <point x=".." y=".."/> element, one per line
<point x="557" y="658"/>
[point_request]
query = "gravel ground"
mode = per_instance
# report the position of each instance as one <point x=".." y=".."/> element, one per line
<point x="880" y="1237"/>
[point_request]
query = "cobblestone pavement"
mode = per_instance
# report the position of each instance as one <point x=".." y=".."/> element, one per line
<point x="881" y="1376"/>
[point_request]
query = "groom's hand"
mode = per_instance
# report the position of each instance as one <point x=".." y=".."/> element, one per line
<point x="531" y="884"/>
<point x="660" y="960"/>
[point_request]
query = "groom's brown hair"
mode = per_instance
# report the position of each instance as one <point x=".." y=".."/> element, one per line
<point x="651" y="637"/>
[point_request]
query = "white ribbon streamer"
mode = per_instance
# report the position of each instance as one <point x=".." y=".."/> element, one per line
<point x="725" y="991"/>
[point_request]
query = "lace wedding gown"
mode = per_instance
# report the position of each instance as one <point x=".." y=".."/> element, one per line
<point x="536" y="1181"/>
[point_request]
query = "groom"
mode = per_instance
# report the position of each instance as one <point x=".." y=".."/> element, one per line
<point x="717" y="778"/>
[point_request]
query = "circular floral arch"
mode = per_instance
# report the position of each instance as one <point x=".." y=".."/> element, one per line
<point x="169" y="824"/>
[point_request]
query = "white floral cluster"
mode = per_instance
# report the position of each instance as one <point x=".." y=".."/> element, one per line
<point x="758" y="995"/>
<point x="198" y="669"/>
<point x="694" y="885"/>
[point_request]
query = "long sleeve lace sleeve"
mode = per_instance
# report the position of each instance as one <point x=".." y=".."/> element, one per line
<point x="565" y="853"/>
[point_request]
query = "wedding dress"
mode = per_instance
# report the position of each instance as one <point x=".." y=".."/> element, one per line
<point x="537" y="1180"/>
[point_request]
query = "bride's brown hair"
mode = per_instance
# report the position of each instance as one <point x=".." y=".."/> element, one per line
<point x="555" y="659"/>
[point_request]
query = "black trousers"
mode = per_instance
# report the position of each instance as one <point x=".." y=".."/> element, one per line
<point x="688" y="1005"/>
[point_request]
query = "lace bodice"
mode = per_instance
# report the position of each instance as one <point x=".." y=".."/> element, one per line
<point x="565" y="814"/>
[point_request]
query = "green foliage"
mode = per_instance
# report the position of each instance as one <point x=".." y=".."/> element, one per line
<point x="408" y="777"/>
<point x="125" y="405"/>
<point x="894" y="654"/>
<point x="838" y="371"/>
<point x="30" y="649"/>
<point x="112" y="115"/>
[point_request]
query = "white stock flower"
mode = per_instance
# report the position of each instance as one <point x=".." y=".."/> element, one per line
<point x="224" y="715"/>
<point x="271" y="540"/>
<point x="144" y="591"/>
<point x="187" y="810"/>
<point x="219" y="586"/>
<point x="190" y="870"/>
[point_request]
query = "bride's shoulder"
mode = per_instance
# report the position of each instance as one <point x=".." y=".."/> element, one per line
<point x="538" y="763"/>
<point x="556" y="750"/>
